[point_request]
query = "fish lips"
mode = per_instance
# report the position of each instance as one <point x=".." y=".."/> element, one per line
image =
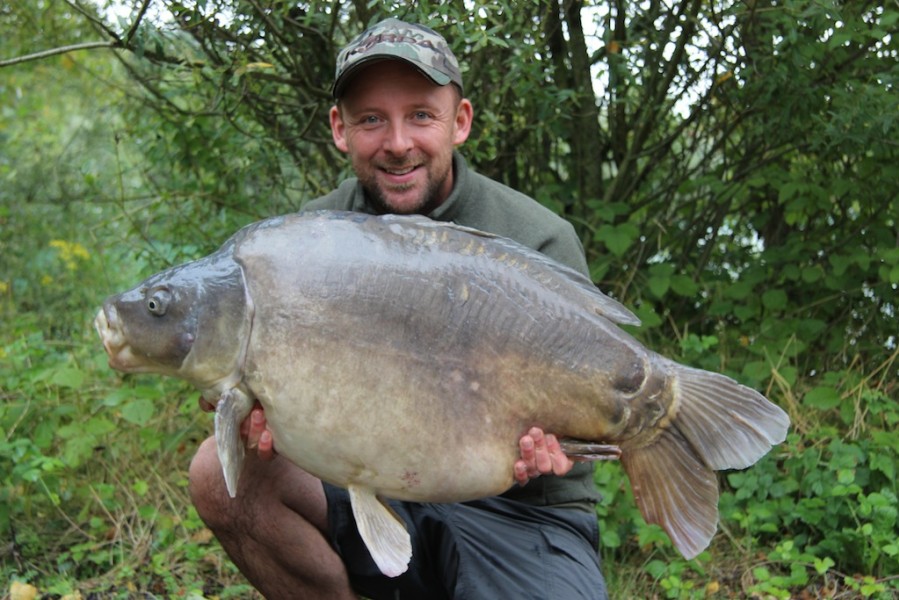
<point x="121" y="358"/>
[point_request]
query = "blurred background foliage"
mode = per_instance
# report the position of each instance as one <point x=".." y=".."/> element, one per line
<point x="731" y="168"/>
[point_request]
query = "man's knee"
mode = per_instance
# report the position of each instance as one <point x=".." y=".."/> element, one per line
<point x="207" y="486"/>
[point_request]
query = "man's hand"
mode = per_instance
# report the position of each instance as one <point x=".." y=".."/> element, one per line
<point x="540" y="455"/>
<point x="258" y="434"/>
<point x="253" y="429"/>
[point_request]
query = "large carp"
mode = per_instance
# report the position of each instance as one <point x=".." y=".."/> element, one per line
<point x="404" y="358"/>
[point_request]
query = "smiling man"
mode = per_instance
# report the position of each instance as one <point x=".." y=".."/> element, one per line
<point x="399" y="130"/>
<point x="399" y="114"/>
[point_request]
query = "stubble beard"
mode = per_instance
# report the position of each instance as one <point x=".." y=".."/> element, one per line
<point x="428" y="201"/>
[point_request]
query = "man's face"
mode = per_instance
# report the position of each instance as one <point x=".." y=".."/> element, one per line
<point x="399" y="130"/>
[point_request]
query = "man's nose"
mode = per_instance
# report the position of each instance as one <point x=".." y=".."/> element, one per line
<point x="398" y="140"/>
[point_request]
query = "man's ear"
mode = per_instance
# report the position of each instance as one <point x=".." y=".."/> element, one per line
<point x="338" y="130"/>
<point x="464" y="116"/>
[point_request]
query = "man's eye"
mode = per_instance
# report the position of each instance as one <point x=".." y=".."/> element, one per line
<point x="422" y="116"/>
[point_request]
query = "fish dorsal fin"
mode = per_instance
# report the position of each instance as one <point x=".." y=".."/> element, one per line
<point x="383" y="532"/>
<point x="231" y="410"/>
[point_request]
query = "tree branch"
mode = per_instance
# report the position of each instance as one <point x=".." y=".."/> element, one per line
<point x="115" y="42"/>
<point x="61" y="50"/>
<point x="140" y="16"/>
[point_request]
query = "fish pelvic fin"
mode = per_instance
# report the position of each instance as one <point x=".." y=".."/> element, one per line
<point x="674" y="489"/>
<point x="382" y="530"/>
<point x="729" y="425"/>
<point x="232" y="408"/>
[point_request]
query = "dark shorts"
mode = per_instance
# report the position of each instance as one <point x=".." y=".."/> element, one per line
<point x="491" y="548"/>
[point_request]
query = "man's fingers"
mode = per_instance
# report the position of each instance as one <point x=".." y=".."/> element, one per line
<point x="528" y="462"/>
<point x="541" y="454"/>
<point x="256" y="428"/>
<point x="265" y="447"/>
<point x="561" y="463"/>
<point x="520" y="471"/>
<point x="543" y="462"/>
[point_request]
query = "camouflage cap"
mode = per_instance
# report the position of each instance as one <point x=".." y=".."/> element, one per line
<point x="418" y="45"/>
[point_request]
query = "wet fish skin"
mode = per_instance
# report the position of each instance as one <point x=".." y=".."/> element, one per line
<point x="356" y="331"/>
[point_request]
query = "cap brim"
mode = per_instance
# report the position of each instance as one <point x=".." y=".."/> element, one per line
<point x="340" y="84"/>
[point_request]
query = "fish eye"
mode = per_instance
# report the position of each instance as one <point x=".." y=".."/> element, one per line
<point x="158" y="302"/>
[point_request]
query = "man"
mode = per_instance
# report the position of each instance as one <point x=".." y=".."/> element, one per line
<point x="399" y="114"/>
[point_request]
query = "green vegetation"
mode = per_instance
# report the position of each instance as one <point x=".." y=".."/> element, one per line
<point x="731" y="167"/>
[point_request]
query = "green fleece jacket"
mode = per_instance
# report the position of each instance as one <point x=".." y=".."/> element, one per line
<point x="481" y="203"/>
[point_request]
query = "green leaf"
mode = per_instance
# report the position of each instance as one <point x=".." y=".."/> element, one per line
<point x="69" y="377"/>
<point x="746" y="312"/>
<point x="893" y="277"/>
<point x="617" y="238"/>
<point x="99" y="426"/>
<point x="887" y="439"/>
<point x="839" y="38"/>
<point x="845" y="476"/>
<point x="774" y="299"/>
<point x="658" y="285"/>
<point x="822" y="398"/>
<point x="682" y="285"/>
<point x="739" y="290"/>
<point x="757" y="370"/>
<point x="884" y="464"/>
<point x="140" y="487"/>
<point x="889" y="18"/>
<point x="138" y="411"/>
<point x="839" y="263"/>
<point x="812" y="274"/>
<point x="647" y="315"/>
<point x="610" y="538"/>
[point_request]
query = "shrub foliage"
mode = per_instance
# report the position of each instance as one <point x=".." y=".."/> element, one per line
<point x="730" y="167"/>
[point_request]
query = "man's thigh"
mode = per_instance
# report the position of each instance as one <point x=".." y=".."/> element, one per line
<point x="491" y="548"/>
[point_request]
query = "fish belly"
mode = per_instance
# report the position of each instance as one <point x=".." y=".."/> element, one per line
<point x="404" y="433"/>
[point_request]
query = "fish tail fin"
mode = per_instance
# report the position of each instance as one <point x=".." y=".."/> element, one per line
<point x="715" y="423"/>
<point x="674" y="489"/>
<point x="729" y="425"/>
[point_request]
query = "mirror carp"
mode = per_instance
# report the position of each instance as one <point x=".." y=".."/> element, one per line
<point x="401" y="357"/>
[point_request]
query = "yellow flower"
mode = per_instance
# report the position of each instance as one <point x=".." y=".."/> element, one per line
<point x="69" y="251"/>
<point x="22" y="591"/>
<point x="4" y="287"/>
<point x="80" y="251"/>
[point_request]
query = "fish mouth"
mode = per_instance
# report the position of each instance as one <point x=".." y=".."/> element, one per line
<point x="113" y="337"/>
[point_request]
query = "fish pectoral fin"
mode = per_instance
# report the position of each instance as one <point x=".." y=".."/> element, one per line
<point x="674" y="489"/>
<point x="232" y="408"/>
<point x="382" y="530"/>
